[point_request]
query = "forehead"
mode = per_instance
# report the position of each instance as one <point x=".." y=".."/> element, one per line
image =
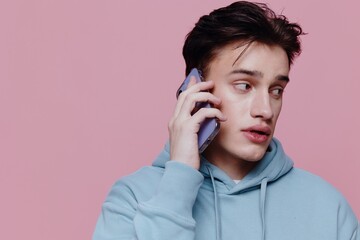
<point x="255" y="56"/>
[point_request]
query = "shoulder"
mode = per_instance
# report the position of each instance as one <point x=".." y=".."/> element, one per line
<point x="312" y="183"/>
<point x="137" y="186"/>
<point x="316" y="189"/>
<point x="142" y="176"/>
<point x="326" y="197"/>
<point x="303" y="186"/>
<point x="313" y="192"/>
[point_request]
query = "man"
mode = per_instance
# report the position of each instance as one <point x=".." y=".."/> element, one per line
<point x="243" y="186"/>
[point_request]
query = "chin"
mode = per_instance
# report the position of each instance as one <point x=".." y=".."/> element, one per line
<point x="251" y="152"/>
<point x="254" y="157"/>
<point x="237" y="149"/>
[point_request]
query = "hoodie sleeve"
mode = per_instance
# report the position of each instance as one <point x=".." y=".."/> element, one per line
<point x="348" y="225"/>
<point x="356" y="234"/>
<point x="167" y="214"/>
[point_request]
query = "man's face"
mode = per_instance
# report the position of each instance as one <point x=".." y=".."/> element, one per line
<point x="251" y="94"/>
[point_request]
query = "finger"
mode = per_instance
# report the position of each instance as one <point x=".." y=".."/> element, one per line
<point x="190" y="102"/>
<point x="205" y="113"/>
<point x="201" y="86"/>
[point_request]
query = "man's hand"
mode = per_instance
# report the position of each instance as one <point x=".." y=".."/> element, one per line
<point x="183" y="126"/>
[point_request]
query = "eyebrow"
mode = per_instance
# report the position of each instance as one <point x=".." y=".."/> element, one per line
<point x="255" y="73"/>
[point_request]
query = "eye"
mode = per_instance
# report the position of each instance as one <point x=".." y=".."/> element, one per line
<point x="277" y="92"/>
<point x="243" y="86"/>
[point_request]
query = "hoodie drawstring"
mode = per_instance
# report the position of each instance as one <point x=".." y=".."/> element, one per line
<point x="217" y="222"/>
<point x="263" y="188"/>
<point x="262" y="205"/>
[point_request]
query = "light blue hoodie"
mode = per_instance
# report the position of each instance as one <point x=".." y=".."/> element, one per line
<point x="275" y="201"/>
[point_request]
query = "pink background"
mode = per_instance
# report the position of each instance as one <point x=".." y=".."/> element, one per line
<point x="87" y="88"/>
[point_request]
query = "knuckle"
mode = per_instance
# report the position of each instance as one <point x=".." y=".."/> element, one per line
<point x="189" y="98"/>
<point x="182" y="95"/>
<point x="202" y="111"/>
<point x="209" y="112"/>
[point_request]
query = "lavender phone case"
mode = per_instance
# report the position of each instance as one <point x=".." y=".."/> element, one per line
<point x="210" y="126"/>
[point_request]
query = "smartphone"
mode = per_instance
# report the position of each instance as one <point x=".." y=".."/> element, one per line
<point x="210" y="126"/>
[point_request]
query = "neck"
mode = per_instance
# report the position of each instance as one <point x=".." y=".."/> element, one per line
<point x="234" y="167"/>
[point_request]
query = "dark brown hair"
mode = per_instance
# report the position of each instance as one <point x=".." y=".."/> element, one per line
<point x="241" y="21"/>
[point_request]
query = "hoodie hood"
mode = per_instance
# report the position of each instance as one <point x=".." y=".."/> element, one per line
<point x="272" y="166"/>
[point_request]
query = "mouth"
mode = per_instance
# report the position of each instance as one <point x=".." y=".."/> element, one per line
<point x="257" y="134"/>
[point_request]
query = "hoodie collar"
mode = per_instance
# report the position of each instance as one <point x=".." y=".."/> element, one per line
<point x="272" y="166"/>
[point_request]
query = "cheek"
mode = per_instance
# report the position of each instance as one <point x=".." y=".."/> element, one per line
<point x="276" y="107"/>
<point x="234" y="106"/>
<point x="235" y="110"/>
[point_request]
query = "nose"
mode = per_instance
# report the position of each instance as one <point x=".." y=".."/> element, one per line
<point x="261" y="106"/>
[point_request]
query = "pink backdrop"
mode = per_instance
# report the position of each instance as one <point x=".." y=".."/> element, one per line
<point x="87" y="88"/>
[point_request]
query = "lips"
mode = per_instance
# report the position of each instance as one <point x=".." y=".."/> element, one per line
<point x="258" y="133"/>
